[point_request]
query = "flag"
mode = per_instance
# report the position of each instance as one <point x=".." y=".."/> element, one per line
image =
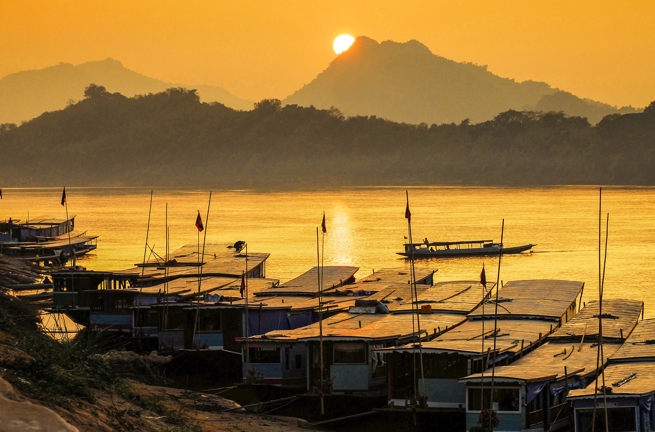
<point x="323" y="228"/>
<point x="199" y="222"/>
<point x="483" y="277"/>
<point x="63" y="197"/>
<point x="408" y="215"/>
<point x="0" y="193"/>
<point x="243" y="284"/>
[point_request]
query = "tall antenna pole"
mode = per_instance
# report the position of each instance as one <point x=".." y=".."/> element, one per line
<point x="493" y="367"/>
<point x="601" y="281"/>
<point x="64" y="202"/>
<point x="415" y="307"/>
<point x="145" y="247"/>
<point x="320" y="325"/>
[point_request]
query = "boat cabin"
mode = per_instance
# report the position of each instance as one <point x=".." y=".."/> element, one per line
<point x="531" y="392"/>
<point x="627" y="399"/>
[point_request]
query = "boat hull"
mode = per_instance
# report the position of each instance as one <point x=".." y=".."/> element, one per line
<point x="465" y="252"/>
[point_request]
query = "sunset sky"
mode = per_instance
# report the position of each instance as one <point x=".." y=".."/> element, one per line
<point x="602" y="50"/>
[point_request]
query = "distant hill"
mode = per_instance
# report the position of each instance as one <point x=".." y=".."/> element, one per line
<point x="405" y="82"/>
<point x="25" y="95"/>
<point x="173" y="139"/>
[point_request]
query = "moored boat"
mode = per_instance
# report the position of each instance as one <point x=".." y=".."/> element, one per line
<point x="428" y="249"/>
<point x="44" y="241"/>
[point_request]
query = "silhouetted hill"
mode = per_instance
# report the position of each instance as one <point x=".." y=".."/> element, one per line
<point x="25" y="95"/>
<point x="172" y="139"/>
<point x="405" y="82"/>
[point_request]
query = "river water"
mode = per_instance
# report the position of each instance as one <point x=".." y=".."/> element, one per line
<point x="367" y="226"/>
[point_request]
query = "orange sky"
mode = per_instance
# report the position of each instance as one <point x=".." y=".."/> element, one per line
<point x="601" y="49"/>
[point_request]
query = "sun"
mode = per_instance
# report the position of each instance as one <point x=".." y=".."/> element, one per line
<point x="342" y="43"/>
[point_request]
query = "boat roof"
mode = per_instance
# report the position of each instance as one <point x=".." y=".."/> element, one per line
<point x="53" y="244"/>
<point x="450" y="297"/>
<point x="551" y="361"/>
<point x="347" y="326"/>
<point x="218" y="260"/>
<point x="640" y="345"/>
<point x="545" y="298"/>
<point x="306" y="284"/>
<point x="620" y="316"/>
<point x="511" y="336"/>
<point x="41" y="221"/>
<point x="398" y="275"/>
<point x="445" y="243"/>
<point x="623" y="380"/>
<point x="574" y="345"/>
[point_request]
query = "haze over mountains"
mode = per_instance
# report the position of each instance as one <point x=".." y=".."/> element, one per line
<point x="28" y="94"/>
<point x="402" y="82"/>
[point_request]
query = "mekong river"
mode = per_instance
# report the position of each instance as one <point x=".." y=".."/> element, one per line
<point x="367" y="226"/>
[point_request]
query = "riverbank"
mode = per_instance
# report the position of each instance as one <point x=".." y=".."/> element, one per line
<point x="77" y="386"/>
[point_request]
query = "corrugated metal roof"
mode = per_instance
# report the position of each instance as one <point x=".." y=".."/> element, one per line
<point x="620" y="316"/>
<point x="549" y="362"/>
<point x="307" y="283"/>
<point x="219" y="259"/>
<point x="624" y="379"/>
<point x="511" y="335"/>
<point x="346" y="325"/>
<point x="539" y="298"/>
<point x="640" y="344"/>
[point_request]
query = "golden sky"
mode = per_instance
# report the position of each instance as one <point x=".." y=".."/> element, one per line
<point x="597" y="49"/>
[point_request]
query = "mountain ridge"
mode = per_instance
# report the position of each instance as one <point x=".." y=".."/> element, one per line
<point x="406" y="82"/>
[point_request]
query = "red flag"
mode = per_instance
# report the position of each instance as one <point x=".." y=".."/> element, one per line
<point x="243" y="284"/>
<point x="199" y="222"/>
<point x="63" y="197"/>
<point x="323" y="228"/>
<point x="483" y="277"/>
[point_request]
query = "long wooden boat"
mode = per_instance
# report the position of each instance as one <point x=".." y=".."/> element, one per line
<point x="44" y="241"/>
<point x="428" y="249"/>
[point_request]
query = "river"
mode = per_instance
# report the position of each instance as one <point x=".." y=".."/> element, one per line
<point x="367" y="226"/>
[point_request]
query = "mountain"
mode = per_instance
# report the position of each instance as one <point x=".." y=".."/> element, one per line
<point x="405" y="82"/>
<point x="25" y="95"/>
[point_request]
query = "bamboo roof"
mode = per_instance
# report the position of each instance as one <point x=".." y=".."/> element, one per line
<point x="640" y="345"/>
<point x="544" y="298"/>
<point x="620" y="316"/>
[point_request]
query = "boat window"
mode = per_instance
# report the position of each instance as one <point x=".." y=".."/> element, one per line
<point x="352" y="352"/>
<point x="507" y="398"/>
<point x="620" y="419"/>
<point x="445" y="365"/>
<point x="264" y="355"/>
<point x="209" y="320"/>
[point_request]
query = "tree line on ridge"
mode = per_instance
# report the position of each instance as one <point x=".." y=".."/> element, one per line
<point x="172" y="139"/>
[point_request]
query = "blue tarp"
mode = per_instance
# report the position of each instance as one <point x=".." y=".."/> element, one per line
<point x="264" y="321"/>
